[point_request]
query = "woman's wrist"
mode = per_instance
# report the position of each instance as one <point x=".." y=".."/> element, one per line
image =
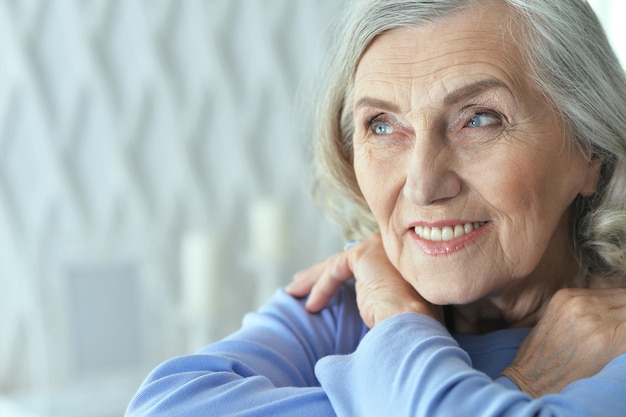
<point x="522" y="382"/>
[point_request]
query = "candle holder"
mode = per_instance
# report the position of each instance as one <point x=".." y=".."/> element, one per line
<point x="201" y="288"/>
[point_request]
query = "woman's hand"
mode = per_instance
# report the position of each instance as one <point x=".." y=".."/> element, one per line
<point x="580" y="332"/>
<point x="381" y="291"/>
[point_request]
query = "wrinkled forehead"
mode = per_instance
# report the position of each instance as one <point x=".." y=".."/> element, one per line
<point x="477" y="43"/>
<point x="449" y="19"/>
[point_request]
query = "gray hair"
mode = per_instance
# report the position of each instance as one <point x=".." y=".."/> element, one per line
<point x="571" y="62"/>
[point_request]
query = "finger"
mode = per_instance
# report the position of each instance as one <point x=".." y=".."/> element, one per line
<point x="336" y="274"/>
<point x="304" y="280"/>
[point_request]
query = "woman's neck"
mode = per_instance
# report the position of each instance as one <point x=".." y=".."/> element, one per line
<point x="520" y="305"/>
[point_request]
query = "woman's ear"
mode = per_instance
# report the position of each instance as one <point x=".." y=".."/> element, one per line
<point x="593" y="177"/>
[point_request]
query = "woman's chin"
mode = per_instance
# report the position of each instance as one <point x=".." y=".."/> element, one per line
<point x="442" y="296"/>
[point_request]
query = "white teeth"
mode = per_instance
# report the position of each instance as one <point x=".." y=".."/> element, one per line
<point x="447" y="233"/>
<point x="438" y="234"/>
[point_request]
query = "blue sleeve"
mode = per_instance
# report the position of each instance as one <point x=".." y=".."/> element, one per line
<point x="409" y="365"/>
<point x="264" y="369"/>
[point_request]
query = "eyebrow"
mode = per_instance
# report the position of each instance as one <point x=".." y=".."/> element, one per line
<point x="466" y="92"/>
<point x="474" y="89"/>
<point x="377" y="103"/>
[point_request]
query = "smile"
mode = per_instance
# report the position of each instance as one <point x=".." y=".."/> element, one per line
<point x="446" y="233"/>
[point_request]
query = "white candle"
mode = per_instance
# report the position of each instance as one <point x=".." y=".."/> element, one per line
<point x="268" y="224"/>
<point x="200" y="274"/>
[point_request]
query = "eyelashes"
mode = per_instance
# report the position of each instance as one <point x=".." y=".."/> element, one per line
<point x="484" y="118"/>
<point x="382" y="124"/>
<point x="379" y="126"/>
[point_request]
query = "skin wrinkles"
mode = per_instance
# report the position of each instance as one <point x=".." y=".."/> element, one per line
<point x="514" y="170"/>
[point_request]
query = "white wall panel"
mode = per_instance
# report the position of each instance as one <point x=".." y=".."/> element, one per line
<point x="125" y="127"/>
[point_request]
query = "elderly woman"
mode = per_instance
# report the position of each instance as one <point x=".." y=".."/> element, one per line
<point x="477" y="149"/>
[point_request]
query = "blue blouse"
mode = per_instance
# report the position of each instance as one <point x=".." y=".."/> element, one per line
<point x="285" y="361"/>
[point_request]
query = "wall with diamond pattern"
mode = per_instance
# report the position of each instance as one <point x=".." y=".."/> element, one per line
<point x="145" y="145"/>
<point x="129" y="128"/>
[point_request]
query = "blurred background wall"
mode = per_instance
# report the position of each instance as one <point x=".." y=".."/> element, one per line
<point x="153" y="183"/>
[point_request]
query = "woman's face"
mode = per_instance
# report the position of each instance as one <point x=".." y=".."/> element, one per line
<point x="466" y="168"/>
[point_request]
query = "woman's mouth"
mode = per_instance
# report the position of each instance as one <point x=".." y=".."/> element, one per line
<point x="446" y="233"/>
<point x="445" y="240"/>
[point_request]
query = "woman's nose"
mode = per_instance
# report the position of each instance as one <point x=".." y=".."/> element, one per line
<point x="430" y="177"/>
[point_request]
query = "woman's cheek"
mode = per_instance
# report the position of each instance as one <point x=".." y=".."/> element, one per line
<point x="380" y="193"/>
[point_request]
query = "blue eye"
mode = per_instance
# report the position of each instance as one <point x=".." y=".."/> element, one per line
<point x="381" y="128"/>
<point x="483" y="119"/>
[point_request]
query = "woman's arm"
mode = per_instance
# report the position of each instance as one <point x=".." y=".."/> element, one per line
<point x="409" y="365"/>
<point x="266" y="368"/>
